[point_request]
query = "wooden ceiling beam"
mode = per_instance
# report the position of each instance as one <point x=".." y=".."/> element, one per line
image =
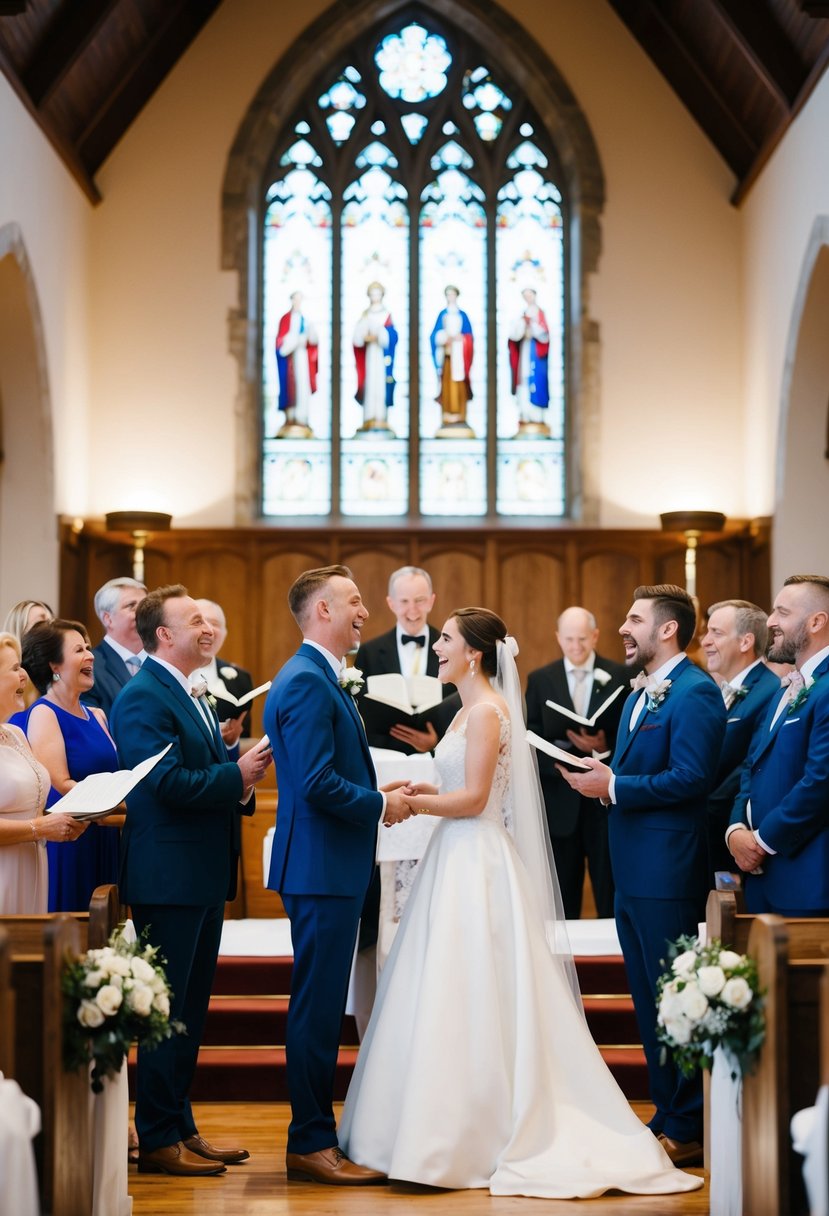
<point x="65" y="150"/>
<point x="764" y="45"/>
<point x="65" y="40"/>
<point x="649" y="23"/>
<point x="183" y="21"/>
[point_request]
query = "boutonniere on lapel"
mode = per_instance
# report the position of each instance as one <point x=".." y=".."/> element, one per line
<point x="351" y="679"/>
<point x="799" y="689"/>
<point x="211" y="700"/>
<point x="228" y="673"/>
<point x="732" y="695"/>
<point x="601" y="677"/>
<point x="656" y="694"/>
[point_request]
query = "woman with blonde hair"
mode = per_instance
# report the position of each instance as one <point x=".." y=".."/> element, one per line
<point x="19" y="621"/>
<point x="24" y="784"/>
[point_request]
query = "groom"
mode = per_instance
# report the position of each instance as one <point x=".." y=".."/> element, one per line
<point x="323" y="854"/>
<point x="667" y="750"/>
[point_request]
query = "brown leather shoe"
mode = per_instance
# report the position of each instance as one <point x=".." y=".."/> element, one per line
<point x="682" y="1153"/>
<point x="330" y="1165"/>
<point x="230" y="1156"/>
<point x="176" y="1159"/>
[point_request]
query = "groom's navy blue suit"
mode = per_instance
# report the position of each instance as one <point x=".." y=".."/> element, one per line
<point x="179" y="859"/>
<point x="664" y="769"/>
<point x="322" y="862"/>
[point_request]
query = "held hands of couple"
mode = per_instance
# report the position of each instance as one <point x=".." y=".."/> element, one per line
<point x="402" y="798"/>
<point x="592" y="784"/>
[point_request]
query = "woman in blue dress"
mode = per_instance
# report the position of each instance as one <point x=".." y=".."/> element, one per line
<point x="71" y="740"/>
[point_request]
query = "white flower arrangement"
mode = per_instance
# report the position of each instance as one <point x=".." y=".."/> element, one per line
<point x="351" y="679"/>
<point x="114" y="997"/>
<point x="709" y="997"/>
<point x="656" y="694"/>
<point x="601" y="676"/>
<point x="228" y="673"/>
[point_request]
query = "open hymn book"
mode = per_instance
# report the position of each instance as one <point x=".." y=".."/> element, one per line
<point x="568" y="759"/>
<point x="99" y="793"/>
<point x="393" y="698"/>
<point x="239" y="702"/>
<point x="591" y="721"/>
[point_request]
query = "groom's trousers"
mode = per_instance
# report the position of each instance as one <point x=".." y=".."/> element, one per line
<point x="323" y="933"/>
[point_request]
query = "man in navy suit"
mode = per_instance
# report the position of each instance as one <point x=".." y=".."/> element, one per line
<point x="179" y="854"/>
<point x="121" y="652"/>
<point x="582" y="681"/>
<point x="734" y="644"/>
<point x="657" y="785"/>
<point x="779" y="833"/>
<point x="323" y="853"/>
<point x="408" y="649"/>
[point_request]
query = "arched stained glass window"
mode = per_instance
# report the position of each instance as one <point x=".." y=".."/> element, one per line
<point x="414" y="324"/>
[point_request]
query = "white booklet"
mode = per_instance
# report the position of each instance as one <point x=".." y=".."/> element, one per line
<point x="98" y="793"/>
<point x="557" y="753"/>
<point x="411" y="696"/>
<point x="240" y="701"/>
<point x="591" y="721"/>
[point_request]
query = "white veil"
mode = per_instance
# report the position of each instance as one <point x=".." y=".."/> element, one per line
<point x="530" y="833"/>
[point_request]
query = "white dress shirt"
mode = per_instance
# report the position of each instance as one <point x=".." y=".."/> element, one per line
<point x="413" y="658"/>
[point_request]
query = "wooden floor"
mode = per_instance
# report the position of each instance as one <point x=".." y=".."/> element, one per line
<point x="259" y="1186"/>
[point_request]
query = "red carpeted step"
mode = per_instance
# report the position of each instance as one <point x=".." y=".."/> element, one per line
<point x="250" y="1021"/>
<point x="253" y="975"/>
<point x="255" y="1074"/>
<point x="611" y="1019"/>
<point x="602" y="973"/>
<point x="628" y="1067"/>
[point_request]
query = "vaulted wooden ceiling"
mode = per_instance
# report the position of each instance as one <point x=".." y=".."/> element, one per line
<point x="85" y="68"/>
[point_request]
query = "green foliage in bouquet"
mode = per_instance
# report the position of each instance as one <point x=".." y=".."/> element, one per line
<point x="113" y="998"/>
<point x="709" y="997"/>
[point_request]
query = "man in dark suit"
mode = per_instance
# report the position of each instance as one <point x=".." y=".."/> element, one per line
<point x="779" y="833"/>
<point x="120" y="654"/>
<point x="222" y="677"/>
<point x="657" y="786"/>
<point x="322" y="859"/>
<point x="179" y="854"/>
<point x="734" y="643"/>
<point x="580" y="681"/>
<point x="408" y="649"/>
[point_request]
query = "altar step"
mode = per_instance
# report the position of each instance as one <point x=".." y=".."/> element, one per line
<point x="242" y="1057"/>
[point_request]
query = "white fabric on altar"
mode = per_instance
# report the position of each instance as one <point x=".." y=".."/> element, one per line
<point x="19" y="1124"/>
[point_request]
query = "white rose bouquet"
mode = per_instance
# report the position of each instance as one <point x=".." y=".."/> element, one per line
<point x="709" y="997"/>
<point x="112" y="998"/>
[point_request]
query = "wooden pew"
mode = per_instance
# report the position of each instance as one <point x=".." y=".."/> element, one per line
<point x="104" y="914"/>
<point x="725" y="920"/>
<point x="791" y="962"/>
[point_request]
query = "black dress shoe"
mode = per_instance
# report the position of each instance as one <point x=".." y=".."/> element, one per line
<point x="176" y="1159"/>
<point x="230" y="1156"/>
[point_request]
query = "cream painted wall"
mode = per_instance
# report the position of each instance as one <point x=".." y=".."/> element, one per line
<point x="39" y="196"/>
<point x="667" y="295"/>
<point x="780" y="218"/>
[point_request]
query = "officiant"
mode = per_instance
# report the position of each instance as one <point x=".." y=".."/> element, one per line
<point x="224" y="677"/>
<point x="580" y="681"/>
<point x="407" y="649"/>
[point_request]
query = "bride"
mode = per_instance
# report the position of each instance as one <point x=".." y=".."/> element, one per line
<point x="478" y="1069"/>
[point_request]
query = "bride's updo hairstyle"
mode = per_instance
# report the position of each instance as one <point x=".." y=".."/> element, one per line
<point x="481" y="629"/>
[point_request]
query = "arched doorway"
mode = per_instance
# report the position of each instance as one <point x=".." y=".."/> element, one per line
<point x="800" y="541"/>
<point x="28" y="536"/>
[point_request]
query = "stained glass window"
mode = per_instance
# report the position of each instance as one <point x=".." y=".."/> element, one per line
<point x="413" y="345"/>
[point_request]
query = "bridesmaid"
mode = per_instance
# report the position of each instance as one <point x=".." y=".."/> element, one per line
<point x="72" y="741"/>
<point x="24" y="784"/>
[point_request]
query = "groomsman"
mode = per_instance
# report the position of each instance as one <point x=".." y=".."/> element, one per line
<point x="779" y="831"/>
<point x="119" y="655"/>
<point x="408" y="649"/>
<point x="734" y="644"/>
<point x="657" y="784"/>
<point x="581" y="681"/>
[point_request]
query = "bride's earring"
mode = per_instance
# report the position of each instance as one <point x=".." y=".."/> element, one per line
<point x="472" y="667"/>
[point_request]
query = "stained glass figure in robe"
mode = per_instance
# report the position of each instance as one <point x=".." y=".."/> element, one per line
<point x="297" y="361"/>
<point x="453" y="347"/>
<point x="375" y="342"/>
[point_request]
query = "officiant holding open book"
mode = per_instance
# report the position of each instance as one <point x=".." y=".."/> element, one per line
<point x="571" y="703"/>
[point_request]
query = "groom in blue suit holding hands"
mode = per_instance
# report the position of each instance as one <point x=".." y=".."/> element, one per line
<point x="779" y="832"/>
<point x="322" y="859"/>
<point x="656" y="786"/>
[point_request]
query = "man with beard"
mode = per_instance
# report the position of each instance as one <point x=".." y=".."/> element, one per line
<point x="779" y="832"/>
<point x="656" y="786"/>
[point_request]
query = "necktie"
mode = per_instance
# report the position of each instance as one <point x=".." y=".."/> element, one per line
<point x="580" y="675"/>
<point x="133" y="664"/>
<point x="729" y="693"/>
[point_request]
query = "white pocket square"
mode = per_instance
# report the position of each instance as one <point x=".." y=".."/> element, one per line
<point x="791" y="721"/>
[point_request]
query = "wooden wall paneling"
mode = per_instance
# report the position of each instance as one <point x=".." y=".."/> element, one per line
<point x="372" y="564"/>
<point x="274" y="627"/>
<point x="608" y="580"/>
<point x="456" y="567"/>
<point x="530" y="599"/>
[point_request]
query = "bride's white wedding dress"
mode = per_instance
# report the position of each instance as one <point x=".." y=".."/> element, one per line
<point x="478" y="1069"/>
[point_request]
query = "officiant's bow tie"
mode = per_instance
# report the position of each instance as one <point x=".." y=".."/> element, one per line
<point x="199" y="688"/>
<point x="417" y="639"/>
